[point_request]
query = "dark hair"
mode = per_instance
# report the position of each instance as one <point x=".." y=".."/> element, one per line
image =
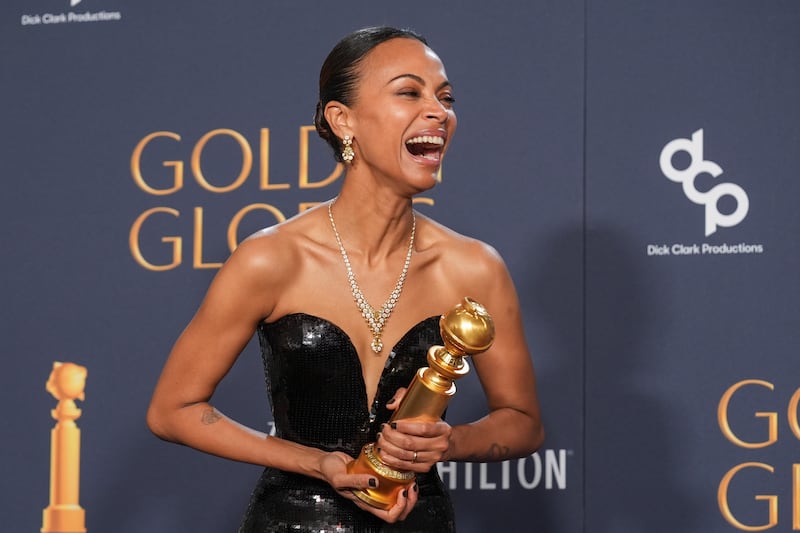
<point x="339" y="73"/>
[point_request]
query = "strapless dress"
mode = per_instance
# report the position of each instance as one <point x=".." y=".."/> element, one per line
<point x="319" y="399"/>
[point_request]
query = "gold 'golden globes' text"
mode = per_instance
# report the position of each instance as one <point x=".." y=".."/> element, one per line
<point x="727" y="490"/>
<point x="254" y="160"/>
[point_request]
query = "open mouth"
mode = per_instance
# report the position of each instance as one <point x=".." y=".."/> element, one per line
<point x="426" y="146"/>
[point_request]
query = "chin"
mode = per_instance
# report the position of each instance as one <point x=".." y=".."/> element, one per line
<point x="426" y="184"/>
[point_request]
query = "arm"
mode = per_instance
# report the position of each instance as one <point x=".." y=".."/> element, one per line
<point x="242" y="294"/>
<point x="513" y="427"/>
<point x="239" y="297"/>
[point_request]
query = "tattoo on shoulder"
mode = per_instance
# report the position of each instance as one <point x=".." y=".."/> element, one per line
<point x="496" y="452"/>
<point x="210" y="416"/>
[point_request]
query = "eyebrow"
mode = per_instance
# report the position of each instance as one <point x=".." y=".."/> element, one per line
<point x="419" y="79"/>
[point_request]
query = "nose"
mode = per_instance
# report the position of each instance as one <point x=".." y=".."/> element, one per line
<point x="436" y="110"/>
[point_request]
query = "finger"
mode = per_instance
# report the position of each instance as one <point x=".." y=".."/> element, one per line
<point x="413" y="494"/>
<point x="397" y="398"/>
<point x="415" y="436"/>
<point x="349" y="482"/>
<point x="406" y="460"/>
<point x="394" y="447"/>
<point x="421" y="429"/>
<point x="350" y="494"/>
<point x="401" y="508"/>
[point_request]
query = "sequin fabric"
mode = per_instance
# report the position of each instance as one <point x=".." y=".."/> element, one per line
<point x="319" y="399"/>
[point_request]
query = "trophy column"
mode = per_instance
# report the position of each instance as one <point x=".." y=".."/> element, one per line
<point x="64" y="514"/>
<point x="467" y="329"/>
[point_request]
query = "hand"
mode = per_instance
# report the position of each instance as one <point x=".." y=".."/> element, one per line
<point x="412" y="445"/>
<point x="334" y="469"/>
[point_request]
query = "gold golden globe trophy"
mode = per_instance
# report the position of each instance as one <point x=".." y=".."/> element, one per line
<point x="64" y="514"/>
<point x="466" y="330"/>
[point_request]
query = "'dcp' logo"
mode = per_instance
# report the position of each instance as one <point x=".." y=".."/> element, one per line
<point x="710" y="198"/>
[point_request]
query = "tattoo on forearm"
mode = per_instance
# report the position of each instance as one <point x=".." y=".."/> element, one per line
<point x="210" y="416"/>
<point x="496" y="452"/>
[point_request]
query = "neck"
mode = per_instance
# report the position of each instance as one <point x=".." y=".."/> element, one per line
<point x="373" y="228"/>
<point x="375" y="317"/>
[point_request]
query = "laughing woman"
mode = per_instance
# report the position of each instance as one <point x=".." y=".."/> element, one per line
<point x="334" y="377"/>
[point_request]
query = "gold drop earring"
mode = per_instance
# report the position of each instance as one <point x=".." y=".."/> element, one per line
<point x="347" y="152"/>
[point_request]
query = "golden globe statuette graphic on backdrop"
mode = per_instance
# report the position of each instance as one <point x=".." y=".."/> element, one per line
<point x="64" y="514"/>
<point x="467" y="329"/>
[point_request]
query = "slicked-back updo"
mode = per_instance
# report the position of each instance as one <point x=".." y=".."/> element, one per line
<point x="339" y="73"/>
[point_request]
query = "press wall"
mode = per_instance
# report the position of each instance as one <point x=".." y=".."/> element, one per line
<point x="636" y="164"/>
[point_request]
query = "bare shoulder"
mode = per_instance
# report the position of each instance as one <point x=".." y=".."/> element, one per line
<point x="278" y="248"/>
<point x="268" y="261"/>
<point x="458" y="265"/>
<point x="265" y="255"/>
<point x="460" y="254"/>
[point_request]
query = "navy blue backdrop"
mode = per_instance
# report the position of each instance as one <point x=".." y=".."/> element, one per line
<point x="140" y="137"/>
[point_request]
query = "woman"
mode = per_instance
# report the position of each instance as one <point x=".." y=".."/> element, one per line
<point x="334" y="371"/>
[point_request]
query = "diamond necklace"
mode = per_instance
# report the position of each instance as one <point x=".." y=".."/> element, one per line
<point x="376" y="320"/>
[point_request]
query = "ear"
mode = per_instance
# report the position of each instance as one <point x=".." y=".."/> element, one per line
<point x="339" y="118"/>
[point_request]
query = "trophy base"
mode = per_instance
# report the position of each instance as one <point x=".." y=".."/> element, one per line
<point x="390" y="482"/>
<point x="64" y="518"/>
<point x="379" y="503"/>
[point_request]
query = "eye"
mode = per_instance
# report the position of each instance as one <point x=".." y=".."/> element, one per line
<point x="412" y="93"/>
<point x="447" y="99"/>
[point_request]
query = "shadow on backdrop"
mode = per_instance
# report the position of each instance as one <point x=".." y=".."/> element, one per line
<point x="634" y="435"/>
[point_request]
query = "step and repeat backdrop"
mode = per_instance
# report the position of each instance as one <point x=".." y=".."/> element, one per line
<point x="637" y="164"/>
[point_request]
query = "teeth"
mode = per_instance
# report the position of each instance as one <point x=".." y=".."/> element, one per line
<point x="427" y="139"/>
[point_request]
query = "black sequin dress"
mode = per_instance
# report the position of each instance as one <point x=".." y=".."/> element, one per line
<point x="319" y="399"/>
